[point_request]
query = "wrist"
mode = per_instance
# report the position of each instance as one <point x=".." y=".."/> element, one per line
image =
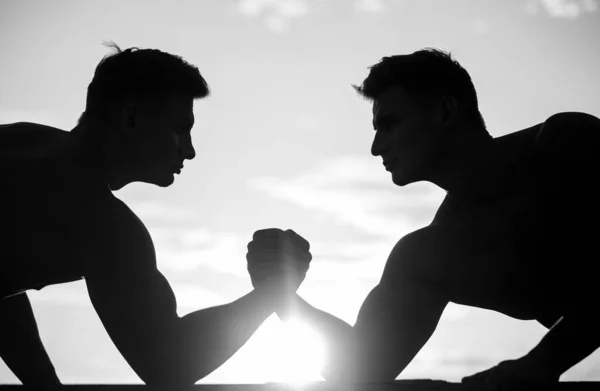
<point x="273" y="299"/>
<point x="540" y="362"/>
<point x="288" y="307"/>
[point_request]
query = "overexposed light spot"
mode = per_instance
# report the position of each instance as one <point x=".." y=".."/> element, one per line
<point x="302" y="354"/>
<point x="277" y="352"/>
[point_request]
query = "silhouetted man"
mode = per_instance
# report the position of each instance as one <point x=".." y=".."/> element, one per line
<point x="62" y="223"/>
<point x="516" y="232"/>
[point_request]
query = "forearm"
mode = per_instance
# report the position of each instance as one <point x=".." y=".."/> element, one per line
<point x="20" y="345"/>
<point x="209" y="337"/>
<point x="391" y="328"/>
<point x="567" y="343"/>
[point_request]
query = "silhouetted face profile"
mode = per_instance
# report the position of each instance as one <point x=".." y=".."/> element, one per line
<point x="406" y="135"/>
<point x="158" y="137"/>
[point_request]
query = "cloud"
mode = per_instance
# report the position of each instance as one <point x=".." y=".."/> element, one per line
<point x="183" y="250"/>
<point x="370" y="6"/>
<point x="192" y="297"/>
<point x="278" y="14"/>
<point x="356" y="191"/>
<point x="155" y="212"/>
<point x="567" y="9"/>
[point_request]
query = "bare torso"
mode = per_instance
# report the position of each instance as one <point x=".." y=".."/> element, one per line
<point x="524" y="252"/>
<point x="50" y="207"/>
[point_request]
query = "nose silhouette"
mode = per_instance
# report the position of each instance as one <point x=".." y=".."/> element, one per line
<point x="378" y="145"/>
<point x="191" y="153"/>
<point x="187" y="149"/>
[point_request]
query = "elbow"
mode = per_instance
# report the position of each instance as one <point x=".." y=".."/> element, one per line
<point x="168" y="377"/>
<point x="168" y="368"/>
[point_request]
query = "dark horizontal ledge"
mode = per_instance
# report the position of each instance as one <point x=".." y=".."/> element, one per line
<point x="400" y="385"/>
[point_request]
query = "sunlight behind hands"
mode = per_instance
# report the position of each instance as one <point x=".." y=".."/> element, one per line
<point x="289" y="352"/>
<point x="301" y="353"/>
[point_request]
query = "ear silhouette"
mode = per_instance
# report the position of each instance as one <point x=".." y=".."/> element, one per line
<point x="448" y="111"/>
<point x="127" y="124"/>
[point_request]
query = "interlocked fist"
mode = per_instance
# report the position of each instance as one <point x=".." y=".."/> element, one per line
<point x="278" y="260"/>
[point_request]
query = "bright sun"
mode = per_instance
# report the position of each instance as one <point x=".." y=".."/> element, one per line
<point x="302" y="355"/>
<point x="288" y="352"/>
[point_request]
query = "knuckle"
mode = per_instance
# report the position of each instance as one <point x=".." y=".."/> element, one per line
<point x="267" y="232"/>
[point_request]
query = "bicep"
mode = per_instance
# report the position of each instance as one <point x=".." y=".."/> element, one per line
<point x="139" y="314"/>
<point x="393" y="324"/>
<point x="133" y="299"/>
<point x="401" y="312"/>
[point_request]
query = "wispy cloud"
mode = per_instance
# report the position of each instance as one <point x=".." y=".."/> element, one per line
<point x="277" y="14"/>
<point x="357" y="191"/>
<point x="192" y="297"/>
<point x="155" y="212"/>
<point x="370" y="6"/>
<point x="186" y="249"/>
<point x="567" y="9"/>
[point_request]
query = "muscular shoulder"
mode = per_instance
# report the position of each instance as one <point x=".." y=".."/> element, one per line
<point x="569" y="132"/>
<point x="414" y="256"/>
<point x="121" y="243"/>
<point x="26" y="139"/>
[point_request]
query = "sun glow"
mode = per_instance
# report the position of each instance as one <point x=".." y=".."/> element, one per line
<point x="302" y="353"/>
<point x="290" y="352"/>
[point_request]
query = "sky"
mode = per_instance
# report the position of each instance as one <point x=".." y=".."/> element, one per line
<point x="284" y="141"/>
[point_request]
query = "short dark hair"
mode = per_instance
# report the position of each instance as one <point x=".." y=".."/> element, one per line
<point x="135" y="72"/>
<point x="427" y="73"/>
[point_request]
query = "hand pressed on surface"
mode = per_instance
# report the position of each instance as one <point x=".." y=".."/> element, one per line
<point x="511" y="375"/>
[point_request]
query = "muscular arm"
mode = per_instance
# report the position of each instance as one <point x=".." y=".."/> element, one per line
<point x="395" y="321"/>
<point x="138" y="309"/>
<point x="140" y="317"/>
<point x="567" y="144"/>
<point x="569" y="341"/>
<point x="20" y="345"/>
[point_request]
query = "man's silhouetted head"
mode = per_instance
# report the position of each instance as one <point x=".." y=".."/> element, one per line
<point x="419" y="100"/>
<point x="140" y="108"/>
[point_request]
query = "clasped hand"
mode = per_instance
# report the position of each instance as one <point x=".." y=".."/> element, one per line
<point x="278" y="260"/>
